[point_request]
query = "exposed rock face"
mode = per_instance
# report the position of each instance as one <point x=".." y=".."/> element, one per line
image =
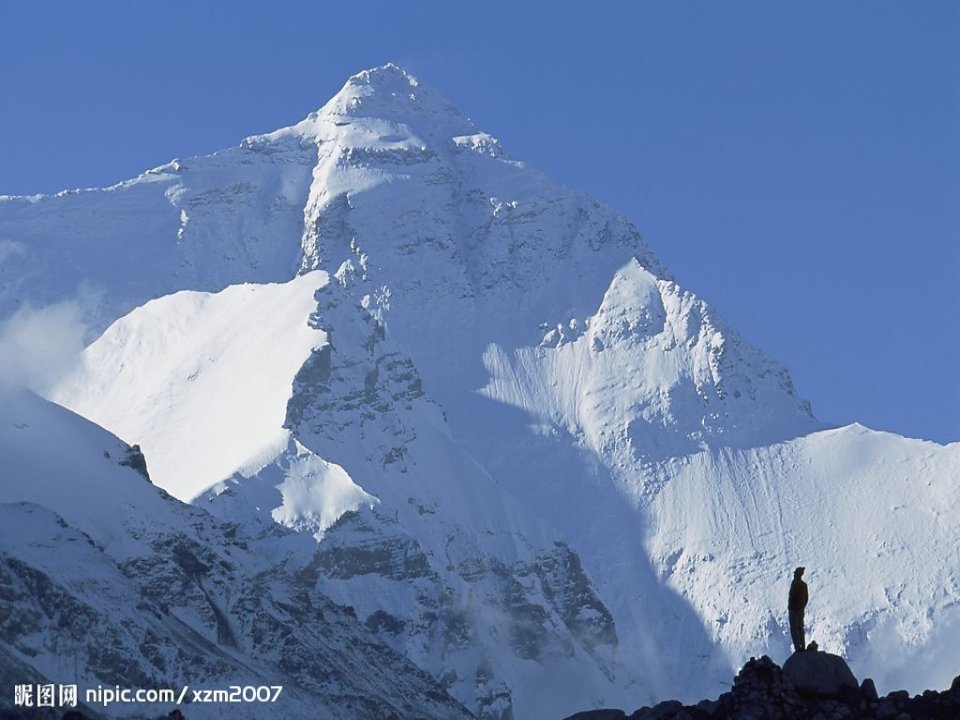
<point x="135" y="459"/>
<point x="811" y="686"/>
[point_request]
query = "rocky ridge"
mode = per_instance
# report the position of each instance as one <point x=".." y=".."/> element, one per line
<point x="811" y="685"/>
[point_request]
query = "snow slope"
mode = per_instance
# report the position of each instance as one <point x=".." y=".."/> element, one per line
<point x="531" y="460"/>
<point x="151" y="377"/>
<point x="870" y="514"/>
<point x="194" y="225"/>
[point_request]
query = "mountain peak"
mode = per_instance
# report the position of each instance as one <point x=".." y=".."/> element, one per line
<point x="390" y="75"/>
<point x="392" y="94"/>
<point x="385" y="101"/>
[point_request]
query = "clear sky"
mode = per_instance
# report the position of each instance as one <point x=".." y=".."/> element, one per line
<point x="797" y="164"/>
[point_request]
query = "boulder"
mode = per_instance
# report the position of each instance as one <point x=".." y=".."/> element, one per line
<point x="602" y="714"/>
<point x="821" y="675"/>
<point x="667" y="710"/>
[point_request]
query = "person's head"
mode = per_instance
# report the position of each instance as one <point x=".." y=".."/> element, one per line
<point x="798" y="573"/>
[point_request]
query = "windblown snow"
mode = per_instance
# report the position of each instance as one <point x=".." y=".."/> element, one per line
<point x="532" y="462"/>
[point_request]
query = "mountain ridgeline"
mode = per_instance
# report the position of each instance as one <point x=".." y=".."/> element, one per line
<point x="810" y="686"/>
<point x="438" y="433"/>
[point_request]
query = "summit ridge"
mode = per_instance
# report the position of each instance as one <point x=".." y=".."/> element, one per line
<point x="383" y="97"/>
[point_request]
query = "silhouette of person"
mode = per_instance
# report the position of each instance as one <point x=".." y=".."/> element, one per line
<point x="795" y="606"/>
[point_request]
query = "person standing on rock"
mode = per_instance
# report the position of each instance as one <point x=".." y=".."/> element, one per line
<point x="796" y="605"/>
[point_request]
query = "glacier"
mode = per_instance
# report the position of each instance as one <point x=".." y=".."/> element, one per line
<point x="473" y="406"/>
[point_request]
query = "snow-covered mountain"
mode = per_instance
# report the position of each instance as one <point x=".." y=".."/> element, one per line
<point x="531" y="462"/>
<point x="107" y="580"/>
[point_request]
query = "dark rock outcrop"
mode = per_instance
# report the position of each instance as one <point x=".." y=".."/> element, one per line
<point x="811" y="686"/>
<point x="135" y="459"/>
<point x="603" y="714"/>
<point x="821" y="675"/>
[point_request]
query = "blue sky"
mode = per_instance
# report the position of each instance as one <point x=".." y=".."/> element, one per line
<point x="796" y="164"/>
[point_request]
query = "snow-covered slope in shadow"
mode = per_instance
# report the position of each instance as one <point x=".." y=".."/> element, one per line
<point x="109" y="581"/>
